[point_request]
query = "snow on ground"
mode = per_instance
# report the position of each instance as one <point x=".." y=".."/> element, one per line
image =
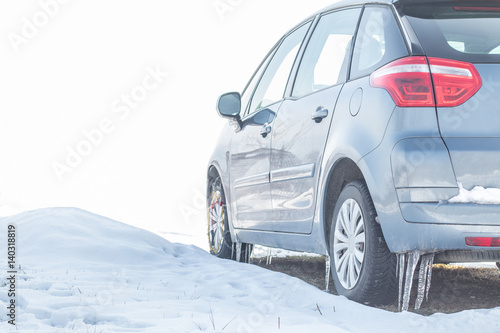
<point x="198" y="237"/>
<point x="79" y="272"/>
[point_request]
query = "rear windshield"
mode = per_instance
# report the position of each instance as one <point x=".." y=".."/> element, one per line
<point x="467" y="31"/>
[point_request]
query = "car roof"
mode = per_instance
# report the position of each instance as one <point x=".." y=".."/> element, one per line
<point x="345" y="3"/>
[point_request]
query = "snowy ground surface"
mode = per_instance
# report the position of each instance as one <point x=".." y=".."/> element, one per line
<point x="80" y="272"/>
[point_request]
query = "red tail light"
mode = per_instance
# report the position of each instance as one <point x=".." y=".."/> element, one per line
<point x="454" y="81"/>
<point x="409" y="82"/>
<point x="476" y="9"/>
<point x="484" y="6"/>
<point x="483" y="241"/>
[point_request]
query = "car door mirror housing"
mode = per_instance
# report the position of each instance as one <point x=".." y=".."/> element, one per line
<point x="229" y="105"/>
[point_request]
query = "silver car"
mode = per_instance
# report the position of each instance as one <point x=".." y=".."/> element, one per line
<point x="355" y="137"/>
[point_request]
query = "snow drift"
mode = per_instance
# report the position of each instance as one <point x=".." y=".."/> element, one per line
<point x="82" y="272"/>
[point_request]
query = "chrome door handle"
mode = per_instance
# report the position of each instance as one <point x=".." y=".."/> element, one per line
<point x="319" y="114"/>
<point x="266" y="129"/>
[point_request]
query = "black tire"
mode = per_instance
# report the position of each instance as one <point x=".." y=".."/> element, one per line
<point x="219" y="235"/>
<point x="498" y="265"/>
<point x="372" y="279"/>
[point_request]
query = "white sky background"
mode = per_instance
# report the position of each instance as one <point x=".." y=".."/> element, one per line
<point x="68" y="74"/>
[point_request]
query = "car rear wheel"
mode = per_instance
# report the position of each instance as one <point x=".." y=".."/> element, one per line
<point x="363" y="268"/>
<point x="219" y="236"/>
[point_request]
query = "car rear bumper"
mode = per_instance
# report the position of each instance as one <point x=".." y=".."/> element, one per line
<point x="464" y="214"/>
<point x="438" y="237"/>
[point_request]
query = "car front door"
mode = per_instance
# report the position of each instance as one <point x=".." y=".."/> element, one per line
<point x="251" y="145"/>
<point x="303" y="122"/>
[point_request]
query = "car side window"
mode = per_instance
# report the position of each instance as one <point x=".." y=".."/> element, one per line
<point x="249" y="89"/>
<point x="378" y="42"/>
<point x="326" y="58"/>
<point x="271" y="87"/>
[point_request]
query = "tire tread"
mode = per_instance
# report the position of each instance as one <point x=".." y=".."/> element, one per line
<point x="380" y="286"/>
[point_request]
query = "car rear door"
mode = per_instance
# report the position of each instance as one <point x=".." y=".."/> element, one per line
<point x="302" y="125"/>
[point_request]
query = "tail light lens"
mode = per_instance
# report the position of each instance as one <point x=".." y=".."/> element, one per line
<point x="454" y="81"/>
<point x="421" y="81"/>
<point x="483" y="241"/>
<point x="407" y="80"/>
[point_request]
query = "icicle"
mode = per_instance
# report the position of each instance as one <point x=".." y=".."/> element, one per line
<point x="397" y="264"/>
<point x="246" y="254"/>
<point x="424" y="279"/>
<point x="269" y="257"/>
<point x="410" y="271"/>
<point x="409" y="261"/>
<point x="238" y="252"/>
<point x="422" y="276"/>
<point x="327" y="273"/>
<point x="429" y="277"/>
<point x="401" y="273"/>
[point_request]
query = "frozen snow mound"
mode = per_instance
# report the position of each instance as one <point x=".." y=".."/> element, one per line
<point x="69" y="237"/>
<point x="86" y="273"/>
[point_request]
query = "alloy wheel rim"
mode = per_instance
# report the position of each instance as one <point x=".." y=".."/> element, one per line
<point x="349" y="244"/>
<point x="216" y="215"/>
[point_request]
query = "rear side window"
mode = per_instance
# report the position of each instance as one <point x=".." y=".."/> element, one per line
<point x="378" y="42"/>
<point x="457" y="30"/>
<point x="326" y="58"/>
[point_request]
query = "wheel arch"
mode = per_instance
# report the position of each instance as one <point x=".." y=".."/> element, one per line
<point x="344" y="171"/>
<point x="214" y="170"/>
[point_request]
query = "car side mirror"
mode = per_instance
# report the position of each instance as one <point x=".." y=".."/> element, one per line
<point x="229" y="105"/>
